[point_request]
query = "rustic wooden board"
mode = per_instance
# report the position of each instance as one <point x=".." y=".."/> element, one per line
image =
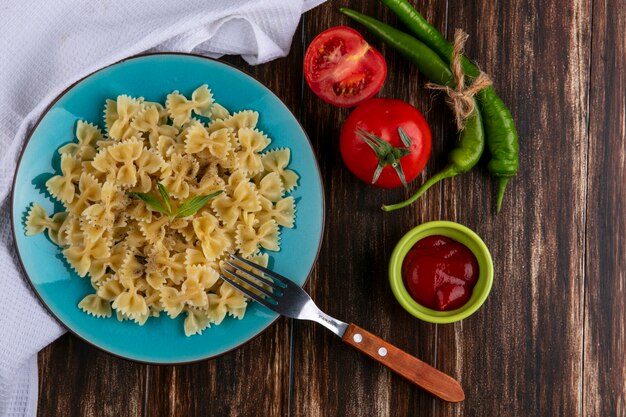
<point x="604" y="380"/>
<point x="76" y="379"/>
<point x="549" y="341"/>
<point x="521" y="354"/>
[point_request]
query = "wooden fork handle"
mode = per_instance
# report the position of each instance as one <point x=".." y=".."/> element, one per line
<point x="421" y="374"/>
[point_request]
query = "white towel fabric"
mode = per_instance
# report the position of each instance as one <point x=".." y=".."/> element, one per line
<point x="47" y="45"/>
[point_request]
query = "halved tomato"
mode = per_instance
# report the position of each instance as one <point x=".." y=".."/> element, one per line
<point x="342" y="68"/>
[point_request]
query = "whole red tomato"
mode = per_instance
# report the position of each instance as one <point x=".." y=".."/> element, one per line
<point x="385" y="142"/>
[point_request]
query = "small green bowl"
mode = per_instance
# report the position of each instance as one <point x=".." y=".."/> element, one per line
<point x="462" y="235"/>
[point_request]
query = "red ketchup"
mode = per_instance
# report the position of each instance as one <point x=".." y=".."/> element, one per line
<point x="440" y="273"/>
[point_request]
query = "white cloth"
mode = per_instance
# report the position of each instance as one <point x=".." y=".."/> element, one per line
<point x="47" y="45"/>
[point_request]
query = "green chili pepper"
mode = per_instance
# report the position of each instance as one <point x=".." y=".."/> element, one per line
<point x="500" y="130"/>
<point x="472" y="138"/>
<point x="426" y="60"/>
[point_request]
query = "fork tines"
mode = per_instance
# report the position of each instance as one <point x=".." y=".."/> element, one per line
<point x="256" y="286"/>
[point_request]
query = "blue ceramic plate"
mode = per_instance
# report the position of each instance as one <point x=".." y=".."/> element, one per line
<point x="160" y="340"/>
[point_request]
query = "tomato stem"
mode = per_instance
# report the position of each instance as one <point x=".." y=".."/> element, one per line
<point x="386" y="153"/>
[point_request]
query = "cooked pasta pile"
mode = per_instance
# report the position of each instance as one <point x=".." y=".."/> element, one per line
<point x="140" y="261"/>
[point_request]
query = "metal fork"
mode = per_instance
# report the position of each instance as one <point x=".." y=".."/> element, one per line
<point x="283" y="296"/>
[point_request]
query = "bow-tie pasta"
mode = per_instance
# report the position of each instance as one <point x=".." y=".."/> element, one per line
<point x="143" y="260"/>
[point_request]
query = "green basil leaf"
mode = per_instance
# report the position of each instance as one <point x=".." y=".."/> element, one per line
<point x="165" y="196"/>
<point x="151" y="201"/>
<point x="192" y="205"/>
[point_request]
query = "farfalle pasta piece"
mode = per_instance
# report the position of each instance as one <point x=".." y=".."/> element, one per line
<point x="283" y="212"/>
<point x="95" y="306"/>
<point x="102" y="213"/>
<point x="251" y="142"/>
<point x="89" y="190"/>
<point x="230" y="163"/>
<point x="148" y="163"/>
<point x="196" y="321"/>
<point x="132" y="269"/>
<point x="167" y="146"/>
<point x="110" y="288"/>
<point x="277" y="161"/>
<point x="153" y="299"/>
<point x="135" y="237"/>
<point x="62" y="187"/>
<point x="163" y="113"/>
<point x="87" y="135"/>
<point x="185" y="229"/>
<point x="198" y="139"/>
<point x="69" y="230"/>
<point x="206" y="276"/>
<point x="183" y="169"/>
<point x="175" y="242"/>
<point x="161" y="265"/>
<point x="229" y="208"/>
<point x="219" y="112"/>
<point x="214" y="241"/>
<point x="104" y="164"/>
<point x="261" y="260"/>
<point x="119" y="114"/>
<point x="236" y="177"/>
<point x="271" y="187"/>
<point x="156" y="276"/>
<point x="191" y="293"/>
<point x="99" y="267"/>
<point x="249" y="237"/>
<point x="38" y="221"/>
<point x="89" y="245"/>
<point x="89" y="169"/>
<point x="180" y="108"/>
<point x="125" y="154"/>
<point x="154" y="231"/>
<point x="209" y="182"/>
<point x="195" y="256"/>
<point x="148" y="121"/>
<point x="240" y="120"/>
<point x="226" y="300"/>
<point x="131" y="303"/>
<point x="137" y="210"/>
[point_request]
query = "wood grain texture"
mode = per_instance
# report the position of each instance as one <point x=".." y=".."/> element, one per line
<point x="551" y="338"/>
<point x="521" y="354"/>
<point x="252" y="380"/>
<point x="76" y="379"/>
<point x="604" y="380"/>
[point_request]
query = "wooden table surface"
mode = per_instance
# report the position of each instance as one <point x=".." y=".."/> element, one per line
<point x="549" y="341"/>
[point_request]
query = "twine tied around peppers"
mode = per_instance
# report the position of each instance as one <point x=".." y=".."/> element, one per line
<point x="461" y="98"/>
